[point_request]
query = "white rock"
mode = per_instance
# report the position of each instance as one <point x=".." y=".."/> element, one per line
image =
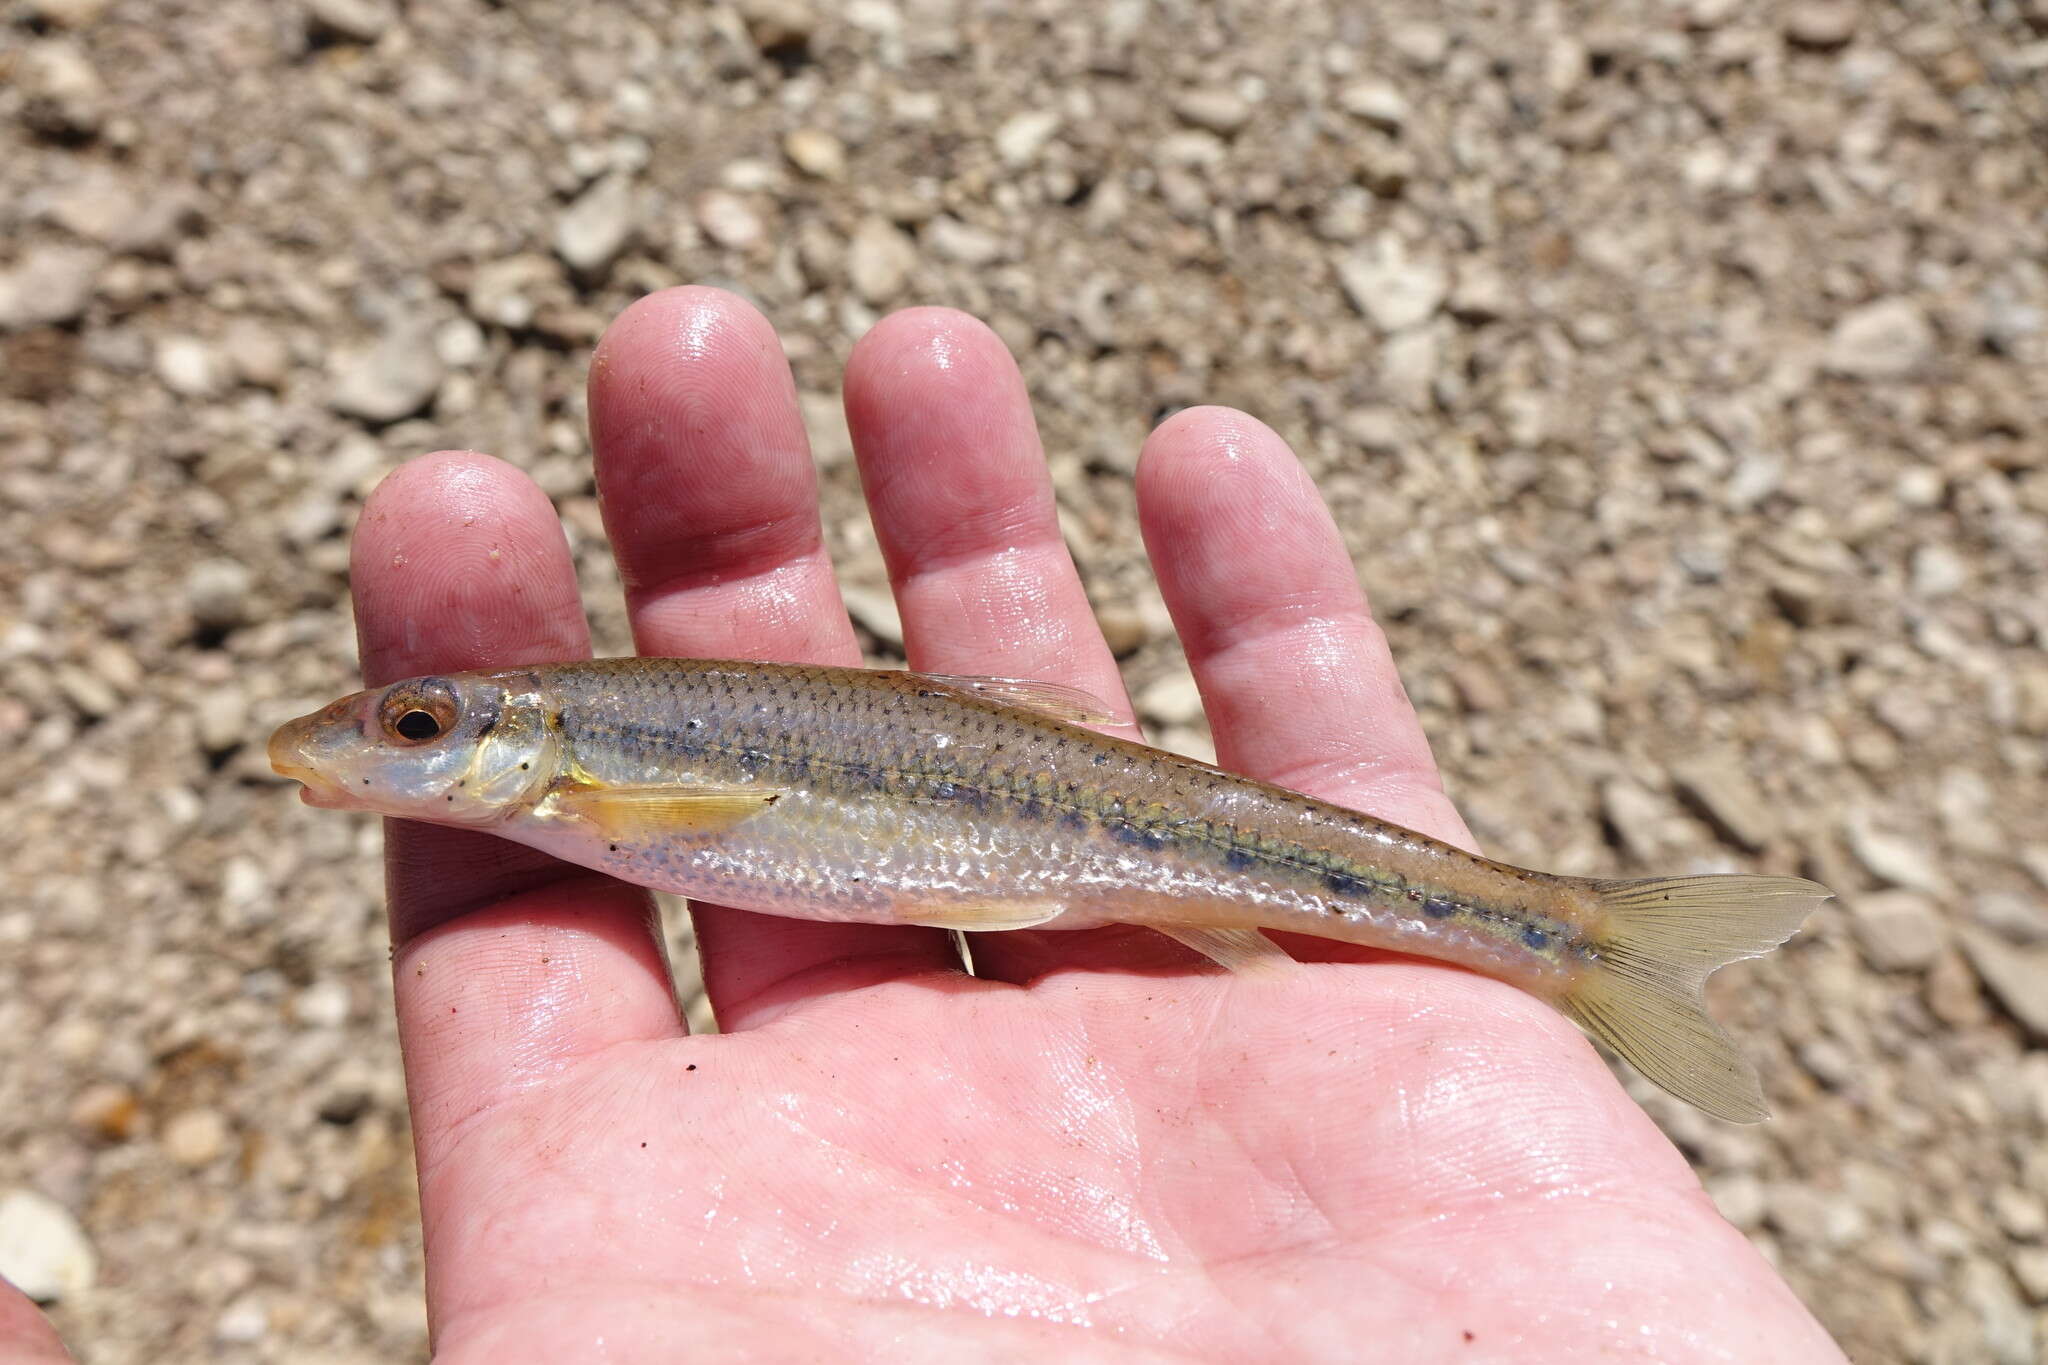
<point x="459" y="342"/>
<point x="1423" y="46"/>
<point x="324" y="1004"/>
<point x="189" y="367"/>
<point x="874" y="610"/>
<point x="1375" y="101"/>
<point x="43" y="1251"/>
<point x="68" y="13"/>
<point x="880" y="260"/>
<point x="825" y="425"/>
<point x="62" y="92"/>
<point x="1390" y="289"/>
<point x="243" y="1321"/>
<point x="355" y="21"/>
<point x="98" y="206"/>
<point x="1409" y="362"/>
<point x="1821" y="24"/>
<point x="1217" y="108"/>
<point x="394" y="379"/>
<point x="222" y="716"/>
<point x="1888" y="339"/>
<point x="593" y="231"/>
<point x="816" y="153"/>
<point x="727" y="220"/>
<point x="1720" y="788"/>
<point x="1640" y="817"/>
<point x="1938" y="570"/>
<point x="257" y="353"/>
<point x="1897" y="860"/>
<point x="195" y="1137"/>
<point x="963" y="242"/>
<point x="1172" y="700"/>
<point x="52" y="284"/>
<point x="2018" y="977"/>
<point x="2030" y="1268"/>
<point x="1899" y="931"/>
<point x="1023" y="136"/>
<point x="2016" y="919"/>
<point x="217" y="590"/>
<point x="502" y="293"/>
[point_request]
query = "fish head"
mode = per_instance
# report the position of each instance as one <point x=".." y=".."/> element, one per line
<point x="460" y="748"/>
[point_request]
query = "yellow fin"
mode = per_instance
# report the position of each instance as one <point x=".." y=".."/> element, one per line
<point x="1659" y="941"/>
<point x="985" y="919"/>
<point x="637" y="814"/>
<point x="1069" y="704"/>
<point x="1246" y="951"/>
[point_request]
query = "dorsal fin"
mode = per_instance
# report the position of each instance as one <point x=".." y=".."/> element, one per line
<point x="1069" y="704"/>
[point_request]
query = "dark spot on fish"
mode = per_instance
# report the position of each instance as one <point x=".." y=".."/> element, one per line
<point x="1438" y="908"/>
<point x="944" y="791"/>
<point x="1101" y="759"/>
<point x="1239" y="858"/>
<point x="613" y="847"/>
<point x="693" y="724"/>
<point x="691" y="1067"/>
<point x="524" y="766"/>
<point x="1536" y="939"/>
<point x="1346" y="883"/>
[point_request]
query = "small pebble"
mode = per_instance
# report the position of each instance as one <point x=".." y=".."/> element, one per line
<point x="816" y="153"/>
<point x="195" y="1137"/>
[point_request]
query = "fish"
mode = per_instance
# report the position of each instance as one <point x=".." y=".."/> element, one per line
<point x="987" y="804"/>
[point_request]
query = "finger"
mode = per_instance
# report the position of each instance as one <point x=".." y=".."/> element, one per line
<point x="26" y="1337"/>
<point x="459" y="562"/>
<point x="1300" y="687"/>
<point x="963" y="508"/>
<point x="709" y="495"/>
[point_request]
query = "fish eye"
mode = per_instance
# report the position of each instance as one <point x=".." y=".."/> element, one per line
<point x="418" y="712"/>
<point x="417" y="726"/>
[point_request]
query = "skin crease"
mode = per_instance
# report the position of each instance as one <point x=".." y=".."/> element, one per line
<point x="1099" y="1149"/>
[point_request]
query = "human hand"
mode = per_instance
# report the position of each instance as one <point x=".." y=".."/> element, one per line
<point x="1097" y="1146"/>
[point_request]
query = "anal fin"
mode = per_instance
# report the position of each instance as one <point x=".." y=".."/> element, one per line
<point x="1241" y="950"/>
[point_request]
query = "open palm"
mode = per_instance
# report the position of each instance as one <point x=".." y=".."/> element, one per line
<point x="1095" y="1146"/>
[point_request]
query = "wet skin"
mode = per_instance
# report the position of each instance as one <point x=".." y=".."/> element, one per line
<point x="1098" y="1148"/>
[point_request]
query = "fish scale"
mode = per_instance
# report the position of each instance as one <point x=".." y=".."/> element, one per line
<point x="892" y="797"/>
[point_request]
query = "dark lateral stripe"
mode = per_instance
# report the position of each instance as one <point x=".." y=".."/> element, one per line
<point x="1038" y="796"/>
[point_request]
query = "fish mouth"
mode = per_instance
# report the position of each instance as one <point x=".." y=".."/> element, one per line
<point x="288" y="759"/>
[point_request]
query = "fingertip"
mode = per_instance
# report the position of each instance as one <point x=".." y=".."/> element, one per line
<point x="923" y="347"/>
<point x="688" y="323"/>
<point x="1208" y="452"/>
<point x="459" y="561"/>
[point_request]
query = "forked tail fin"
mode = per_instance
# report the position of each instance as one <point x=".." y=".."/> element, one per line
<point x="1657" y="944"/>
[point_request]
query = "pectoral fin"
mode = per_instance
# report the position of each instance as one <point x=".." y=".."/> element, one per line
<point x="985" y="919"/>
<point x="1241" y="950"/>
<point x="640" y="814"/>
<point x="1069" y="704"/>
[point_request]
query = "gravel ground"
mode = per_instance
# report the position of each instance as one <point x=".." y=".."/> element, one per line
<point x="1675" y="368"/>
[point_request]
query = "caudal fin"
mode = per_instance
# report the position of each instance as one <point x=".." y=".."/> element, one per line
<point x="1659" y="941"/>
